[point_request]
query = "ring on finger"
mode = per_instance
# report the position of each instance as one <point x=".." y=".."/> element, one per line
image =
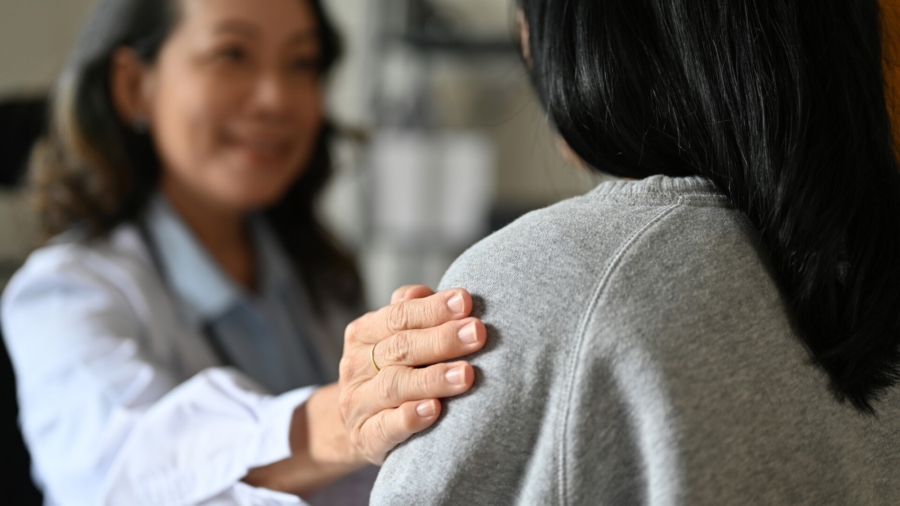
<point x="372" y="357"/>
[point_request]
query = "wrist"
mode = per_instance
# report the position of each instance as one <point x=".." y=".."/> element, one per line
<point x="322" y="434"/>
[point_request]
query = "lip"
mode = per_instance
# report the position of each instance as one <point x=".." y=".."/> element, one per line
<point x="260" y="148"/>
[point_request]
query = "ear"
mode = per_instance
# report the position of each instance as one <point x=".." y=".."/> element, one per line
<point x="569" y="155"/>
<point x="524" y="39"/>
<point x="129" y="82"/>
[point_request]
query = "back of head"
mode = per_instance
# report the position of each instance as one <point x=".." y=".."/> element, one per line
<point x="782" y="106"/>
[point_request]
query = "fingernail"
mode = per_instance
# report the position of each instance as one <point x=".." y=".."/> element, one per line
<point x="468" y="334"/>
<point x="425" y="409"/>
<point x="455" y="376"/>
<point x="456" y="304"/>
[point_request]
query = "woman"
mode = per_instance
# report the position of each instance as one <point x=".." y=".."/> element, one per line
<point x="724" y="329"/>
<point x="187" y="148"/>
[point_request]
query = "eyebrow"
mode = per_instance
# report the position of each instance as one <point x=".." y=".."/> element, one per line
<point x="252" y="31"/>
<point x="238" y="27"/>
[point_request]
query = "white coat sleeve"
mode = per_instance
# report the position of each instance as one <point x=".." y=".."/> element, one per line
<point x="106" y="425"/>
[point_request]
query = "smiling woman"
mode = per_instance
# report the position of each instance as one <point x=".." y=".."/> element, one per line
<point x="167" y="338"/>
<point x="235" y="98"/>
<point x="232" y="101"/>
<point x="235" y="103"/>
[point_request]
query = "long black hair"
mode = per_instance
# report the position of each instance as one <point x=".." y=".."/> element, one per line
<point x="94" y="171"/>
<point x="781" y="105"/>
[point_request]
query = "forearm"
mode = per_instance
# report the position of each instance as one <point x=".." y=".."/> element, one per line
<point x="321" y="451"/>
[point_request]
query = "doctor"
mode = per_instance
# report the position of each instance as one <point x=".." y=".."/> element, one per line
<point x="167" y="339"/>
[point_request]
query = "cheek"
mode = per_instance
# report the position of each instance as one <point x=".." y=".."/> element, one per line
<point x="189" y="120"/>
<point x="186" y="119"/>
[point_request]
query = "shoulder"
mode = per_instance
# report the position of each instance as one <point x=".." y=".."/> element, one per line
<point x="569" y="295"/>
<point x="578" y="234"/>
<point x="633" y="256"/>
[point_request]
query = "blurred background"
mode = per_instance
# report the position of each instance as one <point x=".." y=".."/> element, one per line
<point x="455" y="145"/>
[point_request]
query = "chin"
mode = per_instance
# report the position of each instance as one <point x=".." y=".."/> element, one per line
<point x="252" y="197"/>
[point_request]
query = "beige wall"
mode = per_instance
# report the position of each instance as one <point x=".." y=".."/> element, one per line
<point x="35" y="37"/>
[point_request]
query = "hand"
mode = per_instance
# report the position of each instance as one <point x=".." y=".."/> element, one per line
<point x="419" y="328"/>
<point x="321" y="451"/>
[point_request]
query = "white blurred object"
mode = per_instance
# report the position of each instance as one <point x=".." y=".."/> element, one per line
<point x="467" y="187"/>
<point x="431" y="199"/>
<point x="403" y="164"/>
<point x="433" y="189"/>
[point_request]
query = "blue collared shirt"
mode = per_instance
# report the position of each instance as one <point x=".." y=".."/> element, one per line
<point x="271" y="334"/>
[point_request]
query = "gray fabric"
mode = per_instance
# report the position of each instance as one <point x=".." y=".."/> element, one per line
<point x="640" y="353"/>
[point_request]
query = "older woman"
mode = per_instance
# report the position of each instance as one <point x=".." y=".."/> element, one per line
<point x="188" y="145"/>
<point x="724" y="326"/>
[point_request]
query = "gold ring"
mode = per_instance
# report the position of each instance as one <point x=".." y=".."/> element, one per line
<point x="372" y="356"/>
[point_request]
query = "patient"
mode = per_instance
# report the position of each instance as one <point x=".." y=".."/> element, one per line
<point x="721" y="328"/>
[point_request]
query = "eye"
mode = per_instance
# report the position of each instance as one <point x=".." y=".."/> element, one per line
<point x="232" y="54"/>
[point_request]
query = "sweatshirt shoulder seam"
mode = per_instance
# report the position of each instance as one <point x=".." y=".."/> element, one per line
<point x="598" y="290"/>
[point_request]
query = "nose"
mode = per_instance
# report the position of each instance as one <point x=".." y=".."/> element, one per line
<point x="271" y="96"/>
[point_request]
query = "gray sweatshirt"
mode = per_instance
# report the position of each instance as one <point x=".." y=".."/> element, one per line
<point x="640" y="352"/>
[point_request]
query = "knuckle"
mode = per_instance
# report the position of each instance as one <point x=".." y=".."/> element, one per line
<point x="388" y="386"/>
<point x="344" y="406"/>
<point x="398" y="293"/>
<point x="351" y="331"/>
<point x="357" y="440"/>
<point x="364" y="443"/>
<point x="383" y="431"/>
<point x="382" y="388"/>
<point x="397" y="349"/>
<point x="398" y="317"/>
<point x="346" y="369"/>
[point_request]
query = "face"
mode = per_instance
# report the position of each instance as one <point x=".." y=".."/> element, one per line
<point x="233" y="100"/>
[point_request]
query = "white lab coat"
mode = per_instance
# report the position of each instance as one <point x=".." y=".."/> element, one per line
<point x="121" y="402"/>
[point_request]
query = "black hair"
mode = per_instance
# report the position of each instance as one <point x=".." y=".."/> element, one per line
<point x="95" y="171"/>
<point x="781" y="105"/>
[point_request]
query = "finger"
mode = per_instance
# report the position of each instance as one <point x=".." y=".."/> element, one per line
<point x="429" y="312"/>
<point x="414" y="348"/>
<point x="396" y="385"/>
<point x="409" y="292"/>
<point x="383" y="432"/>
<point x="422" y="313"/>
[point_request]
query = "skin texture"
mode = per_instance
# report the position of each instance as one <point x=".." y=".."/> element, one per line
<point x="233" y="104"/>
